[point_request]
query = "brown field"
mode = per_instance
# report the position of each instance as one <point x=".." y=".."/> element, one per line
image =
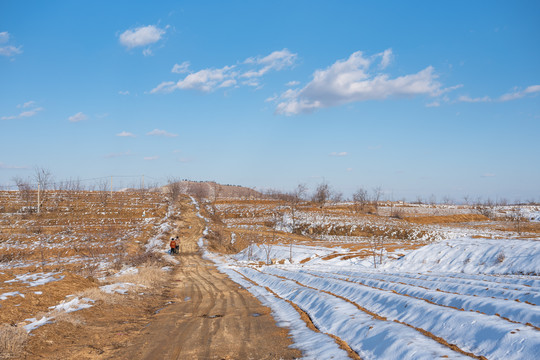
<point x="80" y="239"/>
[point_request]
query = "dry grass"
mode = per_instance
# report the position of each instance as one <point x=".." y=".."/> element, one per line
<point x="148" y="276"/>
<point x="446" y="219"/>
<point x="98" y="295"/>
<point x="12" y="341"/>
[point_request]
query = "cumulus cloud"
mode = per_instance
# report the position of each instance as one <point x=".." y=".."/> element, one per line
<point x="277" y="60"/>
<point x="247" y="73"/>
<point x="158" y="132"/>
<point x="141" y="36"/>
<point x="150" y="158"/>
<point x="125" y="134"/>
<point x="386" y="58"/>
<point x="465" y="98"/>
<point x="78" y="117"/>
<point x="293" y="83"/>
<point x="8" y="50"/>
<point x="343" y="153"/>
<point x="352" y="80"/>
<point x="517" y="94"/>
<point x="30" y="111"/>
<point x="206" y="80"/>
<point x="181" y="68"/>
<point x="124" y="92"/>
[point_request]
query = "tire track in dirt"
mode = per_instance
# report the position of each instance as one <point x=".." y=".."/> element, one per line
<point x="211" y="317"/>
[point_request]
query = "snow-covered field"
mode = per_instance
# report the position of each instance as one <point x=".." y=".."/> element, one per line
<point x="402" y="312"/>
<point x="460" y="296"/>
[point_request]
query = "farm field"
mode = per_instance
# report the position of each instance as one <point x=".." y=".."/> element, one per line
<point x="443" y="282"/>
<point x="90" y="276"/>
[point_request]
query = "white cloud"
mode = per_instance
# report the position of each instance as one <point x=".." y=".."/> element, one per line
<point x="78" y="117"/>
<point x="150" y="158"/>
<point x="211" y="79"/>
<point x="8" y="50"/>
<point x="350" y="80"/>
<point x="181" y="68"/>
<point x="141" y="36"/>
<point x="277" y="60"/>
<point x="125" y="134"/>
<point x="31" y="111"/>
<point x="292" y="83"/>
<point x="465" y="98"/>
<point x="343" y="153"/>
<point x="164" y="87"/>
<point x="124" y="92"/>
<point x="271" y="98"/>
<point x="158" y="132"/>
<point x="206" y="80"/>
<point x="4" y="37"/>
<point x="488" y="175"/>
<point x="26" y="104"/>
<point x="519" y="94"/>
<point x="433" y="104"/>
<point x="349" y="169"/>
<point x="516" y="94"/>
<point x="386" y="58"/>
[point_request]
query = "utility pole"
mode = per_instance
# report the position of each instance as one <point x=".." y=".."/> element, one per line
<point x="38" y="189"/>
<point x="142" y="183"/>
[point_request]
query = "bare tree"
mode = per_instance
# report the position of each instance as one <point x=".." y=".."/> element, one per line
<point x="216" y="189"/>
<point x="173" y="190"/>
<point x="447" y="200"/>
<point x="377" y="248"/>
<point x="322" y="194"/>
<point x="199" y="190"/>
<point x="25" y="190"/>
<point x="43" y="177"/>
<point x="517" y="217"/>
<point x="103" y="193"/>
<point x="360" y="200"/>
<point x="486" y="208"/>
<point x="296" y="197"/>
<point x="377" y="193"/>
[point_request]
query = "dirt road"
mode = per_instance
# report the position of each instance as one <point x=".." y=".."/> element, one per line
<point x="209" y="316"/>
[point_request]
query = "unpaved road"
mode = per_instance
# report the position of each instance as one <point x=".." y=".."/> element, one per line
<point x="210" y="316"/>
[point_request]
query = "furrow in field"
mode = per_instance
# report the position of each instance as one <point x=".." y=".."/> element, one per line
<point x="370" y="335"/>
<point x="512" y="311"/>
<point x="440" y="282"/>
<point x="475" y="333"/>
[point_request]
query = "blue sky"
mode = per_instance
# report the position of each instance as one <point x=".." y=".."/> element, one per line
<point x="417" y="97"/>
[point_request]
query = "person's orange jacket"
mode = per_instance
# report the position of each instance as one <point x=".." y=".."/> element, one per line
<point x="173" y="244"/>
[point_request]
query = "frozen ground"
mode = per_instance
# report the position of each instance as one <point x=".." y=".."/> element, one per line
<point x="455" y="299"/>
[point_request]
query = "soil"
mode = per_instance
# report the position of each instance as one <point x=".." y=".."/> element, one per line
<point x="199" y="314"/>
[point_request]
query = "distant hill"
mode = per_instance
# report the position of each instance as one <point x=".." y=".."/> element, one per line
<point x="209" y="189"/>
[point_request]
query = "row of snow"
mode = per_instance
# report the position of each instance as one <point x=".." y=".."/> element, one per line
<point x="468" y="292"/>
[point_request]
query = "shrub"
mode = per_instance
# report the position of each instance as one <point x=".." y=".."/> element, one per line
<point x="12" y="341"/>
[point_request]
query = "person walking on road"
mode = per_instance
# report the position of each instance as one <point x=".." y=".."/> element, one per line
<point x="173" y="246"/>
<point x="177" y="245"/>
